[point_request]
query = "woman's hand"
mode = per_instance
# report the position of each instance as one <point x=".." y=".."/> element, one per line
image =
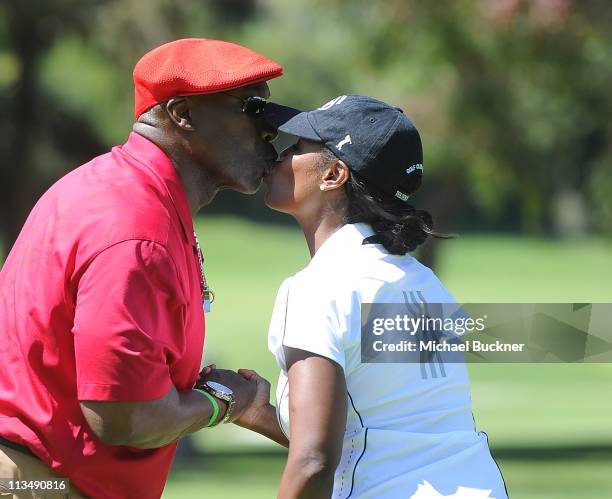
<point x="255" y="413"/>
<point x="244" y="389"/>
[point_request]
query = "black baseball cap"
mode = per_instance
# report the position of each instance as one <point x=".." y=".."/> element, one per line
<point x="377" y="141"/>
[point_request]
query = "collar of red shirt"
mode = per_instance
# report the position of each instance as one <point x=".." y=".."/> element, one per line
<point x="150" y="155"/>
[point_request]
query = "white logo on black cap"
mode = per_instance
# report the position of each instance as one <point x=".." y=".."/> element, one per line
<point x="332" y="102"/>
<point x="344" y="141"/>
<point x="401" y="195"/>
<point x="418" y="166"/>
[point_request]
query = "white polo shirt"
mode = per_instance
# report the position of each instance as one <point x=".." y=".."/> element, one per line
<point x="407" y="424"/>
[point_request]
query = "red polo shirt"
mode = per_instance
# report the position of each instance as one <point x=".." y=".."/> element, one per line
<point x="100" y="300"/>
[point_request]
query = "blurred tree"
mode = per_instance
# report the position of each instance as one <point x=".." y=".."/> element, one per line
<point x="46" y="121"/>
<point x="32" y="123"/>
<point x="233" y="12"/>
<point x="512" y="96"/>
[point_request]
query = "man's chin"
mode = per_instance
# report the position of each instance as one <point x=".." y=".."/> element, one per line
<point x="252" y="187"/>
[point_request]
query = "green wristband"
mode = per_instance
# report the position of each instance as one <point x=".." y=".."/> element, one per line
<point x="215" y="405"/>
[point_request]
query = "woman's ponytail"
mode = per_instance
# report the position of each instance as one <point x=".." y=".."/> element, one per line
<point x="398" y="226"/>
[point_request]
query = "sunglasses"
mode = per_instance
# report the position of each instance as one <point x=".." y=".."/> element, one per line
<point x="253" y="105"/>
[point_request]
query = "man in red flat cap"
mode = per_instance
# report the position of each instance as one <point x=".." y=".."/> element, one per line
<point x="102" y="295"/>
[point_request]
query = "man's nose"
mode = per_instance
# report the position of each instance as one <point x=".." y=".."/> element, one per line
<point x="268" y="132"/>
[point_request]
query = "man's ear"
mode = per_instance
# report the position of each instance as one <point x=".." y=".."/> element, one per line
<point x="335" y="176"/>
<point x="178" y="110"/>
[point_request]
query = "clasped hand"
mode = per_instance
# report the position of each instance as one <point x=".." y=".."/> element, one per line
<point x="251" y="392"/>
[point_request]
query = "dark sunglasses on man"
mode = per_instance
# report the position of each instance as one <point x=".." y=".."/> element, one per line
<point x="253" y="105"/>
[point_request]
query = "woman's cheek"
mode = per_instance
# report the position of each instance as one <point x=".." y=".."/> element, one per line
<point x="280" y="182"/>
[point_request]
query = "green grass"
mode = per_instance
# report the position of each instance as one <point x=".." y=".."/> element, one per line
<point x="239" y="476"/>
<point x="256" y="477"/>
<point x="520" y="406"/>
<point x="525" y="409"/>
<point x="246" y="262"/>
<point x="557" y="479"/>
<point x="520" y="269"/>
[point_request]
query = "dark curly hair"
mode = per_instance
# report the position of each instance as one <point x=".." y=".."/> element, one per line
<point x="398" y="226"/>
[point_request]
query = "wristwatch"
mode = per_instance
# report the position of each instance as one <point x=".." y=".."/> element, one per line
<point x="221" y="392"/>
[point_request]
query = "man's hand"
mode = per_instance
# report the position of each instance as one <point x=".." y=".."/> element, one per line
<point x="261" y="402"/>
<point x="244" y="389"/>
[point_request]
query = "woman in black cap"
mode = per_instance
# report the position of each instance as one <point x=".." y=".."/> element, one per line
<point x="360" y="426"/>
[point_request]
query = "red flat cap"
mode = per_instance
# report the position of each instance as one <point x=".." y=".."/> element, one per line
<point x="197" y="66"/>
